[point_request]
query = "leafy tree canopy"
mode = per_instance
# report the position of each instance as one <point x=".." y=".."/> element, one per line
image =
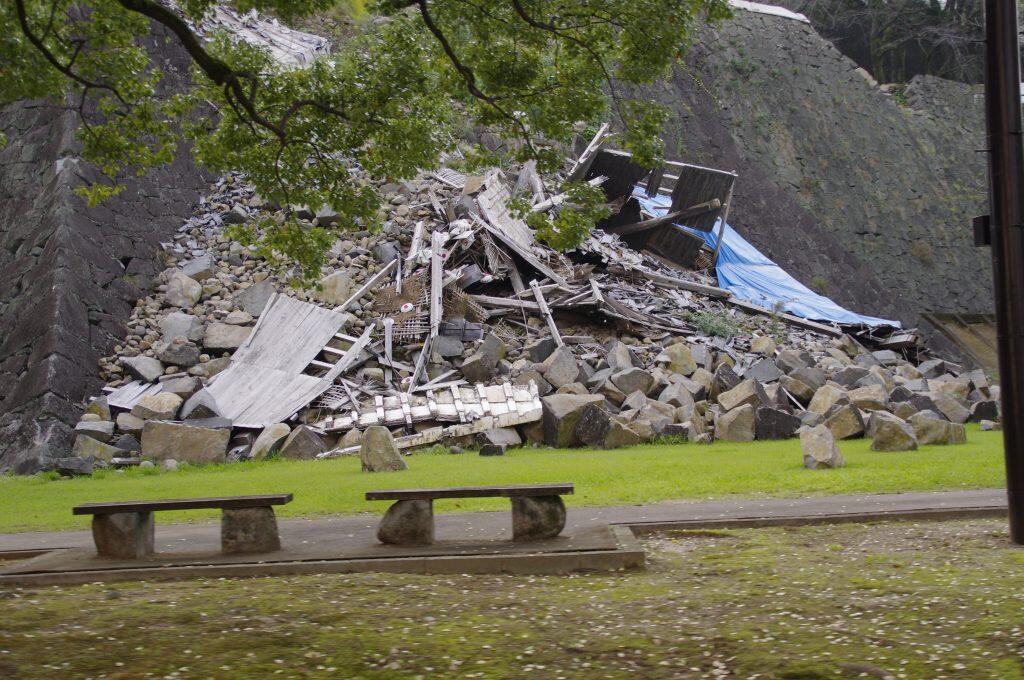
<point x="391" y="99"/>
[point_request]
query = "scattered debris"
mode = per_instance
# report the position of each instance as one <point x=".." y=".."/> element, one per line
<point x="455" y="325"/>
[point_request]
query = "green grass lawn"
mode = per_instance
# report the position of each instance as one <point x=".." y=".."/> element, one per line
<point x="889" y="600"/>
<point x="642" y="474"/>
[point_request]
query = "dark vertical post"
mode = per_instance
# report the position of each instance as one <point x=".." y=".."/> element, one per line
<point x="1006" y="198"/>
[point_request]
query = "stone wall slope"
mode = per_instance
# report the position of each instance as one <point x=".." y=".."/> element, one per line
<point x="70" y="275"/>
<point x="863" y="194"/>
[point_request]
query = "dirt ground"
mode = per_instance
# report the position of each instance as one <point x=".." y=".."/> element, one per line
<point x="898" y="600"/>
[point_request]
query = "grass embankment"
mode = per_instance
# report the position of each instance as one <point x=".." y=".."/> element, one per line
<point x="928" y="601"/>
<point x="642" y="474"/>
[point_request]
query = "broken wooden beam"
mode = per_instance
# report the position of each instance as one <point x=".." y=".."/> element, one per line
<point x="369" y="285"/>
<point x="546" y="312"/>
<point x="655" y="222"/>
<point x="659" y="279"/>
<point x="791" y="319"/>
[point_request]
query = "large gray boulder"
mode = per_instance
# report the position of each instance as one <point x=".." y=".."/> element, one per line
<point x="819" y="449"/>
<point x="825" y="398"/>
<point x="160" y="406"/>
<point x="773" y="423"/>
<point x="200" y="268"/>
<point x="951" y="407"/>
<point x="633" y="379"/>
<point x="747" y="393"/>
<point x="561" y="368"/>
<point x="269" y="440"/>
<point x="893" y="434"/>
<point x="619" y="356"/>
<point x="100" y="430"/>
<point x="677" y="395"/>
<point x="184" y="442"/>
<point x="930" y="429"/>
<point x="799" y="389"/>
<point x="86" y="447"/>
<point x="679" y="358"/>
<point x="541" y="349"/>
<point x="736" y="425"/>
<point x="724" y="379"/>
<point x="764" y="371"/>
<point x="869" y="397"/>
<point x="181" y="325"/>
<point x="202" y="404"/>
<point x="620" y="434"/>
<point x="254" y="298"/>
<point x="225" y="336"/>
<point x="986" y="409"/>
<point x="182" y="291"/>
<point x="302" y="444"/>
<point x="178" y="352"/>
<point x="845" y="422"/>
<point x="146" y="369"/>
<point x="184" y="386"/>
<point x="790" y="360"/>
<point x="378" y="451"/>
<point x="593" y="425"/>
<point x="561" y="415"/>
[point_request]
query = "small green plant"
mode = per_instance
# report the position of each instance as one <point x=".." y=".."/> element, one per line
<point x="922" y="251"/>
<point x="714" y="323"/>
<point x="899" y="95"/>
<point x="819" y="285"/>
<point x="743" y="66"/>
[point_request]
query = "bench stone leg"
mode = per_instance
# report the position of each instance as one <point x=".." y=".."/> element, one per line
<point x="408" y="523"/>
<point x="535" y="518"/>
<point x="248" y="530"/>
<point x="124" y="535"/>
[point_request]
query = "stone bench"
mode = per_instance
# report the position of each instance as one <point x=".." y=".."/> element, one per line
<point x="124" y="530"/>
<point x="538" y="512"/>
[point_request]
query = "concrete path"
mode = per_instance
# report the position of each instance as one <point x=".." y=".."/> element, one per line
<point x="497" y="525"/>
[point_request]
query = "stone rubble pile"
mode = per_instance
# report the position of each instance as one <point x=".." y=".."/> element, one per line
<point x="622" y="350"/>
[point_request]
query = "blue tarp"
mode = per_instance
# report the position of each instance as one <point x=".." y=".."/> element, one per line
<point x="746" y="273"/>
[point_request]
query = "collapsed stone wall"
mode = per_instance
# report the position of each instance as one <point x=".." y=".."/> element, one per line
<point x="863" y="195"/>
<point x="69" y="274"/>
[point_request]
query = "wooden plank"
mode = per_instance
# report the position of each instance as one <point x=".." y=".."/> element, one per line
<point x="417" y="241"/>
<point x="389" y="329"/>
<point x="522" y="490"/>
<point x="582" y="164"/>
<point x="788" y="318"/>
<point x="491" y="301"/>
<point x="677" y="216"/>
<point x="437" y="241"/>
<point x="546" y="312"/>
<point x="182" y="504"/>
<point x="673" y="282"/>
<point x="370" y="284"/>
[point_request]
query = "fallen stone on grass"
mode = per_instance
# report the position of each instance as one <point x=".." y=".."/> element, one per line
<point x="819" y="449"/>
<point x="378" y="451"/>
<point x="302" y="444"/>
<point x="184" y="442"/>
<point x="892" y="434"/>
<point x="736" y="425"/>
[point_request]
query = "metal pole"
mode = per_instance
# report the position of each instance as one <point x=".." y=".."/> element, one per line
<point x="1006" y="199"/>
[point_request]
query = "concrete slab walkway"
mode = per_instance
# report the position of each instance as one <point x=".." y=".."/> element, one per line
<point x="489" y="526"/>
